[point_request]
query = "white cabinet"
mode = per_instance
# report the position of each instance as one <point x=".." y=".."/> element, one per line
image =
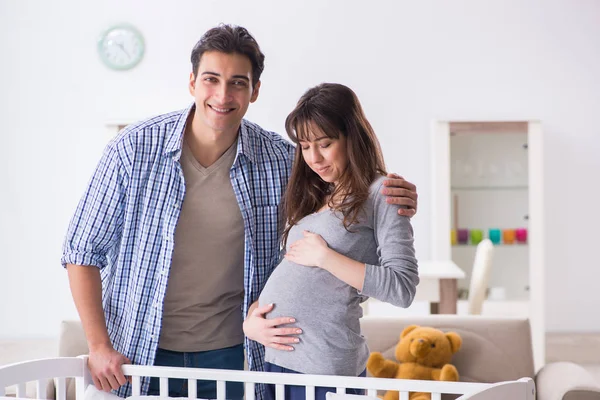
<point x="489" y="176"/>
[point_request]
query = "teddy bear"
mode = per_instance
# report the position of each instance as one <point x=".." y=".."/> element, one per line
<point x="423" y="353"/>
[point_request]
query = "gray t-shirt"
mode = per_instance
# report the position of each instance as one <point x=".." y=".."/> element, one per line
<point x="327" y="309"/>
<point x="203" y="304"/>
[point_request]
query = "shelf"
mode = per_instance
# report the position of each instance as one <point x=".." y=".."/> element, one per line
<point x="474" y="246"/>
<point x="516" y="187"/>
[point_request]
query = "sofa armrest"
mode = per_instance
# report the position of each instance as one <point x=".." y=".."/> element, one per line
<point x="566" y="381"/>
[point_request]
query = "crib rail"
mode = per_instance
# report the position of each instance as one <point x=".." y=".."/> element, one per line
<point x="522" y="389"/>
<point x="40" y="371"/>
<point x="371" y="385"/>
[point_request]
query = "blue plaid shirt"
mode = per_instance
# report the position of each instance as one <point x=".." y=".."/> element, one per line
<point x="125" y="225"/>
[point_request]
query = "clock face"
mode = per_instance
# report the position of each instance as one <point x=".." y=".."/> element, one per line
<point x="121" y="47"/>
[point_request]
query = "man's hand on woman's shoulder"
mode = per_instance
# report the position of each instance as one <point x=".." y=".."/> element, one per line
<point x="402" y="192"/>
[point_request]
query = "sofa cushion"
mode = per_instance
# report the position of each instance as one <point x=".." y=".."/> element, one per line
<point x="72" y="341"/>
<point x="493" y="349"/>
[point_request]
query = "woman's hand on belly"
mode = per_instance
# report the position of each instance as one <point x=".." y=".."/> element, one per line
<point x="267" y="331"/>
<point x="313" y="251"/>
<point x="309" y="251"/>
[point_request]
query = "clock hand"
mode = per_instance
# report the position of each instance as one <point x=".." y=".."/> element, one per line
<point x="122" y="48"/>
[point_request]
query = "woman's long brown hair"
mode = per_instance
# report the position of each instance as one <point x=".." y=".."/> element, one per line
<point x="334" y="110"/>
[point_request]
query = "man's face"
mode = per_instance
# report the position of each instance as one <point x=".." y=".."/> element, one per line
<point x="223" y="90"/>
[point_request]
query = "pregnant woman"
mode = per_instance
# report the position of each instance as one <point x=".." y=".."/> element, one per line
<point x="343" y="242"/>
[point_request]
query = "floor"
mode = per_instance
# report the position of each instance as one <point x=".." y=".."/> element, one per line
<point x="581" y="348"/>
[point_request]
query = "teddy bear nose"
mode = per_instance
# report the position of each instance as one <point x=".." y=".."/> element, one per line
<point x="420" y="348"/>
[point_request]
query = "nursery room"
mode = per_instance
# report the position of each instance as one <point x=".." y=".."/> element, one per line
<point x="458" y="137"/>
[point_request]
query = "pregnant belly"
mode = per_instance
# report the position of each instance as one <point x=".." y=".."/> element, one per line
<point x="324" y="307"/>
<point x="298" y="291"/>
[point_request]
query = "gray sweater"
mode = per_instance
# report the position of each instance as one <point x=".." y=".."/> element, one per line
<point x="327" y="309"/>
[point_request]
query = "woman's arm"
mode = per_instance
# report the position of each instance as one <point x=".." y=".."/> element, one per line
<point x="393" y="280"/>
<point x="396" y="277"/>
<point x="344" y="268"/>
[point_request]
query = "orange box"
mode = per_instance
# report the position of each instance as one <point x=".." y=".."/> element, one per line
<point x="508" y="236"/>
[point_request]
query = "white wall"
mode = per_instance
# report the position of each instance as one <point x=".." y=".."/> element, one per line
<point x="410" y="62"/>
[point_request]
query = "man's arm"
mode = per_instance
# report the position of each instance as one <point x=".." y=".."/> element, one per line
<point x="95" y="229"/>
<point x="104" y="361"/>
<point x="401" y="192"/>
<point x="86" y="289"/>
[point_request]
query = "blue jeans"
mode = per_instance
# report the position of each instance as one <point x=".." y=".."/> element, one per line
<point x="299" y="392"/>
<point x="228" y="358"/>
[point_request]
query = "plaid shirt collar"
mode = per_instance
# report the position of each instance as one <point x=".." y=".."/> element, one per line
<point x="175" y="137"/>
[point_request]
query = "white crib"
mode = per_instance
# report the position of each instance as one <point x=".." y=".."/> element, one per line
<point x="59" y="369"/>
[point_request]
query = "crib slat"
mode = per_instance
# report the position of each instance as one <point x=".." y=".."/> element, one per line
<point x="21" y="390"/>
<point x="340" y="390"/>
<point x="403" y="395"/>
<point x="372" y="392"/>
<point x="164" y="387"/>
<point x="40" y="388"/>
<point x="250" y="391"/>
<point x="310" y="393"/>
<point x="192" y="388"/>
<point x="221" y="390"/>
<point x="61" y="388"/>
<point x="135" y="385"/>
<point x="436" y="396"/>
<point x="280" y="392"/>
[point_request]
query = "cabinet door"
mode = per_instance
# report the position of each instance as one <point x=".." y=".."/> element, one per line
<point x="489" y="189"/>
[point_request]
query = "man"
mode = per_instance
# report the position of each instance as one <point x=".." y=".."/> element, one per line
<point x="185" y="198"/>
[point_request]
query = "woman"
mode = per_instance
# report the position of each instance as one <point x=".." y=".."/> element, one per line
<point x="343" y="242"/>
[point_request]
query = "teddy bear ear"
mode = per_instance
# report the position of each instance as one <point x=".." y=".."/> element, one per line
<point x="455" y="341"/>
<point x="408" y="330"/>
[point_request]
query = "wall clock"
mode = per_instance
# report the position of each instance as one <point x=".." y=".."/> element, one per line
<point x="121" y="47"/>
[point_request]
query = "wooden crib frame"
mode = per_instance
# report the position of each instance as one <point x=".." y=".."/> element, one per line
<point x="59" y="369"/>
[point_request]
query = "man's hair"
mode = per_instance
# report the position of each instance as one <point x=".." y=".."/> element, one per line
<point x="332" y="110"/>
<point x="230" y="39"/>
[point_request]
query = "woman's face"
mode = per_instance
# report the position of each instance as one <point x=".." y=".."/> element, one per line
<point x="326" y="156"/>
